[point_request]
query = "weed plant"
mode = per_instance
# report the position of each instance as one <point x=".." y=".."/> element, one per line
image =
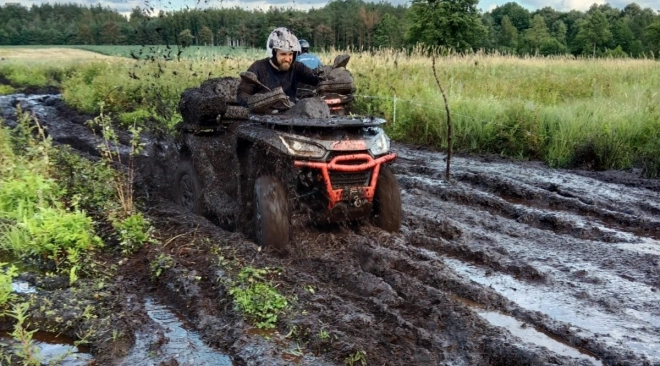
<point x="132" y="227"/>
<point x="255" y="297"/>
<point x="26" y="350"/>
<point x="6" y="276"/>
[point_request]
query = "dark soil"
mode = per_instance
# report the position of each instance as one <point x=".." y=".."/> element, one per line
<point x="570" y="257"/>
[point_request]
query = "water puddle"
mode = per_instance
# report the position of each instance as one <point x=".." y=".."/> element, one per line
<point x="587" y="320"/>
<point x="530" y="334"/>
<point x="52" y="349"/>
<point x="22" y="287"/>
<point x="646" y="246"/>
<point x="291" y="352"/>
<point x="173" y="343"/>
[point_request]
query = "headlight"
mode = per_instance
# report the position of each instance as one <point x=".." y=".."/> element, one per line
<point x="380" y="145"/>
<point x="302" y="148"/>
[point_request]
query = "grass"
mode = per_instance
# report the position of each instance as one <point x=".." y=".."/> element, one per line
<point x="601" y="113"/>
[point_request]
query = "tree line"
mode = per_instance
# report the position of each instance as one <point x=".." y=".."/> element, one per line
<point x="456" y="24"/>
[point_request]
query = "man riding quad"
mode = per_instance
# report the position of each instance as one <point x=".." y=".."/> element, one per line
<point x="256" y="157"/>
<point x="280" y="69"/>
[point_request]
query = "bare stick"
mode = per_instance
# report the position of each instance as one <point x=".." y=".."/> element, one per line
<point x="449" y="132"/>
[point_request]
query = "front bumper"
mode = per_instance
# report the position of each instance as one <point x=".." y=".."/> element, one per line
<point x="356" y="196"/>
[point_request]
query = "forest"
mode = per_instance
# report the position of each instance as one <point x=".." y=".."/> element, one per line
<point x="459" y="25"/>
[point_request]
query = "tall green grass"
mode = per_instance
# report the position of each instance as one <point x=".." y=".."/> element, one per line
<point x="602" y="114"/>
<point x="35" y="223"/>
<point x="568" y="112"/>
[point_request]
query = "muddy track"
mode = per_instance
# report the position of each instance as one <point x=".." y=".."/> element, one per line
<point x="509" y="263"/>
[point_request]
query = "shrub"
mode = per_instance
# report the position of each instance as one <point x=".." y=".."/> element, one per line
<point x="133" y="231"/>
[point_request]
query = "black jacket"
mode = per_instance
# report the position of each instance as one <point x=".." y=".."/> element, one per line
<point x="272" y="78"/>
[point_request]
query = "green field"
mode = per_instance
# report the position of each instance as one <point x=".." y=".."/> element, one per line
<point x="602" y="113"/>
<point x="160" y="52"/>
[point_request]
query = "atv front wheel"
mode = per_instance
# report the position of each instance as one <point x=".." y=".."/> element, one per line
<point x="387" y="201"/>
<point x="271" y="213"/>
<point x="188" y="188"/>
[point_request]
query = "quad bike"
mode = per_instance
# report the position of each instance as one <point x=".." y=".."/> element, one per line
<point x="258" y="172"/>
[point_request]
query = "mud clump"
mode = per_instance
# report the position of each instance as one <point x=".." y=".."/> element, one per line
<point x="212" y="101"/>
<point x="308" y="108"/>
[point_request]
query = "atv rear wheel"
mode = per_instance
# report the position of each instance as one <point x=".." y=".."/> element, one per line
<point x="271" y="213"/>
<point x="188" y="188"/>
<point x="387" y="201"/>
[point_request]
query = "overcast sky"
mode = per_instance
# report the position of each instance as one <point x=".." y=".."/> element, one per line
<point x="125" y="6"/>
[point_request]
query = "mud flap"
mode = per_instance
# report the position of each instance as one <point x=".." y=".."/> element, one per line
<point x="271" y="213"/>
<point x="387" y="201"/>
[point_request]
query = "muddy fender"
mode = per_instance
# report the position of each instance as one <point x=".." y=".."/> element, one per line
<point x="387" y="201"/>
<point x="271" y="213"/>
<point x="188" y="188"/>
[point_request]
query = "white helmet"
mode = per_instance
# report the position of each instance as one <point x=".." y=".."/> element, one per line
<point x="282" y="39"/>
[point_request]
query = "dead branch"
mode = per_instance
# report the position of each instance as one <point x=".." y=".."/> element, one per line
<point x="449" y="130"/>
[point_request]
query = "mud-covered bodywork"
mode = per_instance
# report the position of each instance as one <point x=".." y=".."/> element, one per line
<point x="330" y="166"/>
<point x="258" y="168"/>
<point x="336" y="164"/>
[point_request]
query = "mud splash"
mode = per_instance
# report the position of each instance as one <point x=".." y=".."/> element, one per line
<point x="572" y="254"/>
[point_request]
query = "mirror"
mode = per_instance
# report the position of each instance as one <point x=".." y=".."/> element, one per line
<point x="341" y="61"/>
<point x="251" y="78"/>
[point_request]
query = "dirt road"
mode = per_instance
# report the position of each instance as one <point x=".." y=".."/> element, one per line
<point x="508" y="263"/>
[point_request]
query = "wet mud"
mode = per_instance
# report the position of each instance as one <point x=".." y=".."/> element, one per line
<point x="508" y="263"/>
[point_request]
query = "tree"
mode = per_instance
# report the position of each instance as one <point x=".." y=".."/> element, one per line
<point x="323" y="35"/>
<point x="536" y="35"/>
<point x="508" y="36"/>
<point x="223" y="35"/>
<point x="622" y="34"/>
<point x="489" y="40"/>
<point x="185" y="38"/>
<point x="640" y="19"/>
<point x="206" y="36"/>
<point x="518" y="15"/>
<point x="84" y="35"/>
<point x="559" y="31"/>
<point x="388" y="32"/>
<point x="110" y="33"/>
<point x="653" y="34"/>
<point x="594" y="31"/>
<point x="449" y="23"/>
<point x="369" y="20"/>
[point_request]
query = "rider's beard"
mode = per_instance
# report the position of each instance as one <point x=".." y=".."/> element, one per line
<point x="285" y="65"/>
